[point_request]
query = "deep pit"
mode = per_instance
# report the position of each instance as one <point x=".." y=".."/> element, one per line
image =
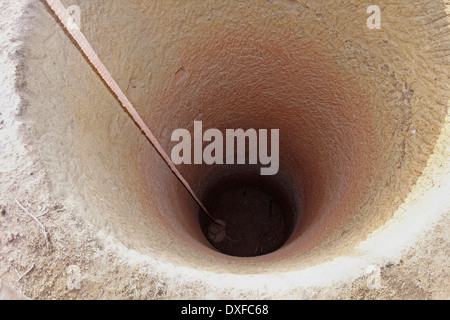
<point x="358" y="119"/>
<point x="258" y="217"/>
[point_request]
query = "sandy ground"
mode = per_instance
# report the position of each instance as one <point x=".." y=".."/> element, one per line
<point x="48" y="269"/>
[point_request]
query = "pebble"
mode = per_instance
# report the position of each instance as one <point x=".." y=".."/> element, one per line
<point x="12" y="236"/>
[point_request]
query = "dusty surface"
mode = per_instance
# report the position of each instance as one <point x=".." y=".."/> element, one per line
<point x="106" y="271"/>
<point x="422" y="273"/>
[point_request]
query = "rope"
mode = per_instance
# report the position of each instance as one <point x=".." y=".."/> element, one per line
<point x="65" y="18"/>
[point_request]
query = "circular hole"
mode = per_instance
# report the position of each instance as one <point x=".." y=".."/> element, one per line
<point x="252" y="216"/>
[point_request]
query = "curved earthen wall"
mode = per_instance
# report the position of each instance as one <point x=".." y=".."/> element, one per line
<point x="359" y="113"/>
